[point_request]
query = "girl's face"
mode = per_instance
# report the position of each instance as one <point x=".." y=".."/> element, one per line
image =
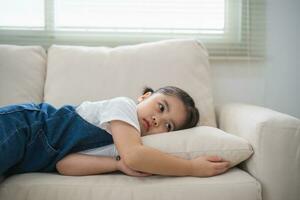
<point x="158" y="113"/>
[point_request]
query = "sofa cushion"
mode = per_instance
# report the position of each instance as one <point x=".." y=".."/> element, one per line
<point x="202" y="140"/>
<point x="22" y="74"/>
<point x="77" y="73"/>
<point x="233" y="185"/>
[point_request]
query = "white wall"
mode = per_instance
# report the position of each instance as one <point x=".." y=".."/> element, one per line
<point x="274" y="82"/>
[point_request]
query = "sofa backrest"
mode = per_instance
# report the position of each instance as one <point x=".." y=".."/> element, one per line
<point x="77" y="73"/>
<point x="22" y="74"/>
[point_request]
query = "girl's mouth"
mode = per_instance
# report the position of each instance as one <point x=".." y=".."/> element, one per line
<point x="147" y="124"/>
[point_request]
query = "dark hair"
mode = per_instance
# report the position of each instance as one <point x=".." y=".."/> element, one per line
<point x="192" y="111"/>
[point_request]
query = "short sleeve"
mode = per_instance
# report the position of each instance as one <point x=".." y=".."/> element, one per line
<point x="120" y="108"/>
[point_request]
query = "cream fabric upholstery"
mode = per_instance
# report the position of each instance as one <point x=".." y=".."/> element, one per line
<point x="201" y="140"/>
<point x="76" y="74"/>
<point x="234" y="185"/>
<point x="272" y="173"/>
<point x="275" y="138"/>
<point x="22" y="74"/>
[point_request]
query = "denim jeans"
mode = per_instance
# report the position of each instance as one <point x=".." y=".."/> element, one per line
<point x="34" y="137"/>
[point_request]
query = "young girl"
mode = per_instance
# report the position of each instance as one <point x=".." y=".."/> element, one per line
<point x="40" y="138"/>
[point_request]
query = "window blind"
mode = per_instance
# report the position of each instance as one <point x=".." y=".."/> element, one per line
<point x="228" y="28"/>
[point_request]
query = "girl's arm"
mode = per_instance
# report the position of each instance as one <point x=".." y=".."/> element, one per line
<point x="77" y="164"/>
<point x="150" y="160"/>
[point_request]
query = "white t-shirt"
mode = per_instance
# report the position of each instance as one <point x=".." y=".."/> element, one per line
<point x="100" y="114"/>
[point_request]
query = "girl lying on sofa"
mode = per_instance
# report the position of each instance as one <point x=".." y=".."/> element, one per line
<point x="41" y="138"/>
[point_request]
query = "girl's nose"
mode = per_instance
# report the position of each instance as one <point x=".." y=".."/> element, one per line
<point x="155" y="121"/>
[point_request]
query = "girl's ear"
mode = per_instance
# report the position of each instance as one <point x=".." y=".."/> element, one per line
<point x="144" y="96"/>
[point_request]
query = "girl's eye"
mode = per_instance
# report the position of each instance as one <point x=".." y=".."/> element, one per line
<point x="169" y="127"/>
<point x="161" y="107"/>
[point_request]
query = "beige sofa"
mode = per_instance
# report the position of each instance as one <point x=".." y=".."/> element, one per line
<point x="66" y="74"/>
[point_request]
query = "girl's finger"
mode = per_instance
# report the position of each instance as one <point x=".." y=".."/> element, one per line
<point x="131" y="172"/>
<point x="141" y="174"/>
<point x="221" y="171"/>
<point x="221" y="165"/>
<point x="147" y="174"/>
<point x="144" y="175"/>
<point x="214" y="158"/>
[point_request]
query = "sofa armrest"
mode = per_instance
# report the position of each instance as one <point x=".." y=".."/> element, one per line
<point x="275" y="138"/>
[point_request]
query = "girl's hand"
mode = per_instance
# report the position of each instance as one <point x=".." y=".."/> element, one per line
<point x="205" y="166"/>
<point x="121" y="166"/>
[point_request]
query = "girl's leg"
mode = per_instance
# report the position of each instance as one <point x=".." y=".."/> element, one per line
<point x="11" y="150"/>
<point x="12" y="141"/>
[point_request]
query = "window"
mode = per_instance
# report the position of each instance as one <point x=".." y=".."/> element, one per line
<point x="162" y="16"/>
<point x="229" y="28"/>
<point x="15" y="13"/>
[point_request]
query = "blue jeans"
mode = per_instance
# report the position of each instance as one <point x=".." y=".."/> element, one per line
<point x="34" y="137"/>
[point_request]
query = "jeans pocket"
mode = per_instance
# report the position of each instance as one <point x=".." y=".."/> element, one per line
<point x="39" y="153"/>
<point x="40" y="142"/>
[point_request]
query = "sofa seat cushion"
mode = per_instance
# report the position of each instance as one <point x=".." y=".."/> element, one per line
<point x="79" y="73"/>
<point x="22" y="74"/>
<point x="233" y="185"/>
